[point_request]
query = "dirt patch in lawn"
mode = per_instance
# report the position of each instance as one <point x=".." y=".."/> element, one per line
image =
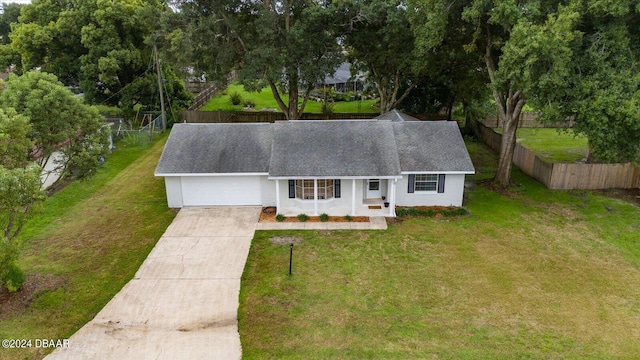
<point x="268" y="214"/>
<point x="282" y="240"/>
<point x="35" y="285"/>
<point x="630" y="195"/>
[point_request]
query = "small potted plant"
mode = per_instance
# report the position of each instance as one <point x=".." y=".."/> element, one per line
<point x="386" y="204"/>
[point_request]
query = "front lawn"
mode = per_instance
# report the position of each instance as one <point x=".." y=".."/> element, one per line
<point x="533" y="273"/>
<point x="553" y="145"/>
<point x="264" y="100"/>
<point x="87" y="243"/>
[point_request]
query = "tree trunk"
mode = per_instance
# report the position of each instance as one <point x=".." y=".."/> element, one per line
<point x="510" y="103"/>
<point x="510" y="113"/>
<point x="276" y="95"/>
<point x="293" y="101"/>
<point x="507" y="147"/>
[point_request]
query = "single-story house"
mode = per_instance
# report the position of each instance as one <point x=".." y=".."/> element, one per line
<point x="343" y="81"/>
<point x="337" y="167"/>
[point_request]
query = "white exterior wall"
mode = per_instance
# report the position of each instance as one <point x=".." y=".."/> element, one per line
<point x="268" y="191"/>
<point x="173" y="187"/>
<point x="452" y="196"/>
<point x="333" y="207"/>
<point x="259" y="190"/>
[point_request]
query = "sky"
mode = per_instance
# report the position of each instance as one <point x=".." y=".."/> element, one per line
<point x="16" y="1"/>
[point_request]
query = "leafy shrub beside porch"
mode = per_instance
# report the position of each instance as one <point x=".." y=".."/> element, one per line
<point x="431" y="211"/>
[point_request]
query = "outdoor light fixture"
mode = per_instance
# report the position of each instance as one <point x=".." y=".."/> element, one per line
<point x="290" y="257"/>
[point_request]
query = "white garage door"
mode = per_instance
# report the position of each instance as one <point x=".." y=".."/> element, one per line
<point x="227" y="190"/>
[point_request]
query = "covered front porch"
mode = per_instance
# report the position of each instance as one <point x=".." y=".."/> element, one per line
<point x="336" y="197"/>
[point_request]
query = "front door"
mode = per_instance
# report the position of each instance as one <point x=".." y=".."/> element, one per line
<point x="373" y="189"/>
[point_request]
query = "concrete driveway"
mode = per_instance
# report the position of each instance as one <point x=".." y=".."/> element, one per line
<point x="183" y="301"/>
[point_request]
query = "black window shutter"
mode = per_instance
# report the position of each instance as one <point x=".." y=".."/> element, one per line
<point x="292" y="189"/>
<point x="336" y="188"/>
<point x="441" y="183"/>
<point x="412" y="183"/>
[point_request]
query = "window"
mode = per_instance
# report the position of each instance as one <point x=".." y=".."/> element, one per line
<point x="304" y="189"/>
<point x="426" y="182"/>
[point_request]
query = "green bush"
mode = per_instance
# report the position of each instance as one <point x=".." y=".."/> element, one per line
<point x="279" y="218"/>
<point x="455" y="212"/>
<point x="348" y="218"/>
<point x="249" y="103"/>
<point x="451" y="211"/>
<point x="324" y="217"/>
<point x="109" y="111"/>
<point x="303" y="217"/>
<point x="236" y="98"/>
<point x="14" y="278"/>
<point x="327" y="107"/>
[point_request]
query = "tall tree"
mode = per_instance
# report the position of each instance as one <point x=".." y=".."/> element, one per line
<point x="9" y="15"/>
<point x="15" y="144"/>
<point x="379" y="41"/>
<point x="527" y="48"/>
<point x="102" y="46"/>
<point x="451" y="75"/>
<point x="59" y="121"/>
<point x="20" y="190"/>
<point x="603" y="91"/>
<point x="287" y="45"/>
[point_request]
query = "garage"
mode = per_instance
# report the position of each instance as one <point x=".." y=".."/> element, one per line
<point x="221" y="190"/>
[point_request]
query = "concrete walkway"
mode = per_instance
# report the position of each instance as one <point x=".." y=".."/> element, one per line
<point x="183" y="301"/>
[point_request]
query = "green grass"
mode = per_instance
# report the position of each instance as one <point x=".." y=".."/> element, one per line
<point x="552" y="145"/>
<point x="264" y="100"/>
<point x="536" y="274"/>
<point x="88" y="242"/>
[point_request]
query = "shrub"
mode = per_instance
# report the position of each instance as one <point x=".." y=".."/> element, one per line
<point x="451" y="211"/>
<point x="14" y="278"/>
<point x="109" y="111"/>
<point x="236" y="98"/>
<point x="324" y="217"/>
<point x="455" y="212"/>
<point x="327" y="107"/>
<point x="303" y="217"/>
<point x="249" y="103"/>
<point x="279" y="218"/>
<point x="348" y="218"/>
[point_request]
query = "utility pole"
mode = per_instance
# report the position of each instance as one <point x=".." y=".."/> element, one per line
<point x="160" y="88"/>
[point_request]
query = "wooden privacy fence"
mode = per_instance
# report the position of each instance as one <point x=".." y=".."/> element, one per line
<point x="203" y="97"/>
<point x="528" y="119"/>
<point x="260" y="116"/>
<point x="567" y="175"/>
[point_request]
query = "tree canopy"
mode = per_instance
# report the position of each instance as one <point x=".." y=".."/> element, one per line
<point x="19" y="189"/>
<point x="379" y="41"/>
<point x="102" y="46"/>
<point x="58" y="121"/>
<point x="541" y="53"/>
<point x="287" y="45"/>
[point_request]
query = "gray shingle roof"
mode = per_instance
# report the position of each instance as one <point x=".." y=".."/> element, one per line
<point x="343" y="75"/>
<point x="216" y="148"/>
<point x="334" y="148"/>
<point x="431" y="146"/>
<point x="340" y="148"/>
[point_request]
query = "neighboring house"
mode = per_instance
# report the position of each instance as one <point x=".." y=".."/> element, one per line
<point x="343" y="81"/>
<point x="337" y="167"/>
